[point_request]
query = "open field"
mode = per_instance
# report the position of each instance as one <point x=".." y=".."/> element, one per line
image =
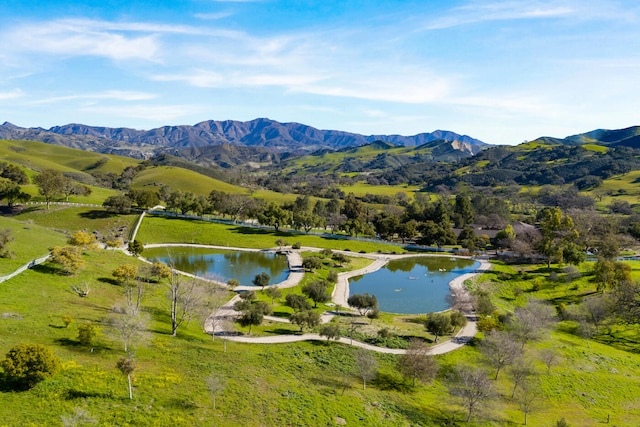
<point x="286" y="384"/>
<point x="156" y="229"/>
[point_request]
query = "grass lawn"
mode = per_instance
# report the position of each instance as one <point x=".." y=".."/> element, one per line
<point x="158" y="229"/>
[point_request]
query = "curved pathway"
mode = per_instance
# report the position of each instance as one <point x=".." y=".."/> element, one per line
<point x="215" y="324"/>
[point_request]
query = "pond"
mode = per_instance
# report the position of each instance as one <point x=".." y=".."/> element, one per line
<point x="413" y="285"/>
<point x="222" y="265"/>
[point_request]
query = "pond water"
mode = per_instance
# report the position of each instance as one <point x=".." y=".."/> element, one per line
<point x="222" y="265"/>
<point x="413" y="285"/>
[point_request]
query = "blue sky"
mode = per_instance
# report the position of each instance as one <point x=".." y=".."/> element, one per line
<point x="499" y="71"/>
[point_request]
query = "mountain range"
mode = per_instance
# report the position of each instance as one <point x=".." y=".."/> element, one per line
<point x="267" y="137"/>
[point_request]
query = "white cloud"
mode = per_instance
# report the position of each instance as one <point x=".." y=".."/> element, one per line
<point x="72" y="39"/>
<point x="115" y="95"/>
<point x="213" y="16"/>
<point x="476" y="12"/>
<point x="16" y="93"/>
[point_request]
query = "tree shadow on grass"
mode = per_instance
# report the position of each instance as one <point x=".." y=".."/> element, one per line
<point x="79" y="394"/>
<point x="389" y="381"/>
<point x="109" y="281"/>
<point x="47" y="268"/>
<point x="283" y="331"/>
<point x="97" y="214"/>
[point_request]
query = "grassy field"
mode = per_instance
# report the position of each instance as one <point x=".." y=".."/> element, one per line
<point x="298" y="384"/>
<point x="182" y="179"/>
<point x="30" y="241"/>
<point x="360" y="189"/>
<point x="38" y="156"/>
<point x="156" y="229"/>
<point x="290" y="384"/>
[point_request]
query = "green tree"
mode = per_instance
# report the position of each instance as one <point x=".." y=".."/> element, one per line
<point x="144" y="198"/>
<point x="261" y="279"/>
<point x="117" y="204"/>
<point x="363" y="302"/>
<point x="254" y="315"/>
<point x="50" y="183"/>
<point x="308" y="318"/>
<point x="558" y="231"/>
<point x="25" y="365"/>
<point x="438" y="324"/>
<point x="609" y="274"/>
<point x="87" y="333"/>
<point x="68" y="257"/>
<point x="458" y="320"/>
<point x="311" y="263"/>
<point x="462" y="211"/>
<point x="135" y="247"/>
<point x="275" y="216"/>
<point x="12" y="192"/>
<point x="273" y="293"/>
<point x="331" y="331"/>
<point x="83" y="239"/>
<point x="297" y="302"/>
<point x="317" y="291"/>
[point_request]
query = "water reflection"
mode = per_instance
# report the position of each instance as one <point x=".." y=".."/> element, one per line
<point x="413" y="285"/>
<point x="222" y="265"/>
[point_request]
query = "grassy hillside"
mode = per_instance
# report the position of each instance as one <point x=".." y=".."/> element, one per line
<point x="30" y="241"/>
<point x="38" y="156"/>
<point x="182" y="179"/>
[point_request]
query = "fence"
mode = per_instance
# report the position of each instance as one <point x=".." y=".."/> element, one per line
<point x="25" y="267"/>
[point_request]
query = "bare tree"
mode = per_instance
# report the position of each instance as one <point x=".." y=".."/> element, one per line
<point x="532" y="321"/>
<point x="186" y="298"/>
<point x="215" y="384"/>
<point x="416" y="363"/>
<point x="80" y="417"/>
<point x="520" y="373"/>
<point x="127" y="324"/>
<point x="471" y="386"/>
<point x="549" y="357"/>
<point x="217" y="298"/>
<point x="528" y="398"/>
<point x="500" y="349"/>
<point x="366" y="365"/>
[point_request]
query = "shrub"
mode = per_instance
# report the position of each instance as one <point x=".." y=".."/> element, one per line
<point x="296" y="245"/>
<point x="67" y="320"/>
<point x="27" y="364"/>
<point x="87" y="333"/>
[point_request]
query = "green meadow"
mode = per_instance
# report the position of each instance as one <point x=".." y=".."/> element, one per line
<point x="301" y="384"/>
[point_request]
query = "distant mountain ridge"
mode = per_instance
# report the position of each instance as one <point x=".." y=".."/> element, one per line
<point x="262" y="133"/>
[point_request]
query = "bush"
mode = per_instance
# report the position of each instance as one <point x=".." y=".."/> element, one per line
<point x="296" y="245"/>
<point x="27" y="364"/>
<point x="87" y="333"/>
